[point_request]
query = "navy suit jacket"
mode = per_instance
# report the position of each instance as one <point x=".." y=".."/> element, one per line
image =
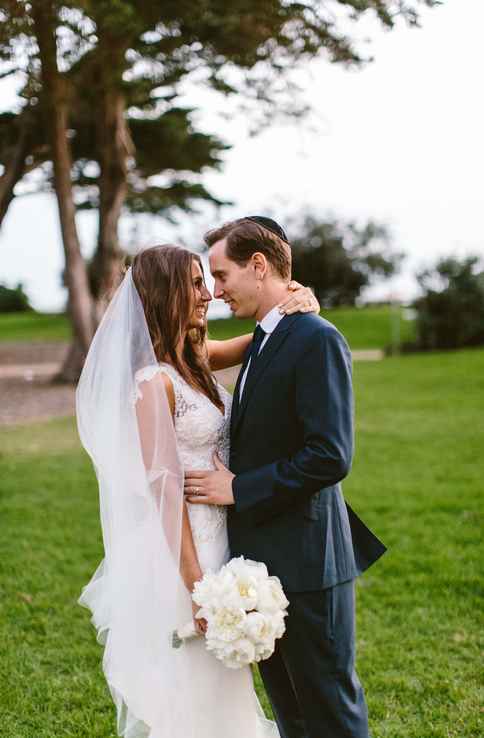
<point x="291" y="445"/>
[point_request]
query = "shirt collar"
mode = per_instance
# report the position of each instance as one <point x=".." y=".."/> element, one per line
<point x="271" y="320"/>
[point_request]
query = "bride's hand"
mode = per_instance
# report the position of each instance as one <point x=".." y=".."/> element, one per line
<point x="200" y="623"/>
<point x="299" y="300"/>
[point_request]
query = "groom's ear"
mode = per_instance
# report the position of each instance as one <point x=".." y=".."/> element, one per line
<point x="260" y="265"/>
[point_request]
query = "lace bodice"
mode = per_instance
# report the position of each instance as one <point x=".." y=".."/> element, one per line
<point x="201" y="429"/>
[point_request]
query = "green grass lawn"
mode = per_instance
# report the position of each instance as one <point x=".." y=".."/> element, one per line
<point x="365" y="328"/>
<point x="34" y="327"/>
<point x="417" y="481"/>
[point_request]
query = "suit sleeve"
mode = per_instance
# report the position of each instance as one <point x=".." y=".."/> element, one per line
<point x="324" y="409"/>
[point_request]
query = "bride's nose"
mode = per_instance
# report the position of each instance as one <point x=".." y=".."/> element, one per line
<point x="206" y="296"/>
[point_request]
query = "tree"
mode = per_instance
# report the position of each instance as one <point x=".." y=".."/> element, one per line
<point x="13" y="300"/>
<point x="450" y="312"/>
<point x="121" y="61"/>
<point x="339" y="259"/>
<point x="56" y="112"/>
<point x="102" y="138"/>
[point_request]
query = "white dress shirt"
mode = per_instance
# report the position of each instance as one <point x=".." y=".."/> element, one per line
<point x="268" y="325"/>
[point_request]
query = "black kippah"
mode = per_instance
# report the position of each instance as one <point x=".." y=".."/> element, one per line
<point x="270" y="224"/>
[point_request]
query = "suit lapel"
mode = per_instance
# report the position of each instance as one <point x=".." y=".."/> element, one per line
<point x="235" y="403"/>
<point x="270" y="349"/>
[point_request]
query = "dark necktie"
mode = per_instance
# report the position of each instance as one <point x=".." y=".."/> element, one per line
<point x="259" y="335"/>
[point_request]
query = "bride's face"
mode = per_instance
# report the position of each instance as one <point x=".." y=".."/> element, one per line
<point x="201" y="298"/>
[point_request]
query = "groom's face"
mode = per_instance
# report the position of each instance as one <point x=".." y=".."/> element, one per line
<point x="235" y="284"/>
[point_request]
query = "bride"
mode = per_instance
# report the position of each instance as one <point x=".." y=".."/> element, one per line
<point x="148" y="406"/>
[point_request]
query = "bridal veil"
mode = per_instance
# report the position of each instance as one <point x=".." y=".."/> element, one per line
<point x="137" y="597"/>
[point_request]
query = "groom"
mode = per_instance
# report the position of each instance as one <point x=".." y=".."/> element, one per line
<point x="291" y="445"/>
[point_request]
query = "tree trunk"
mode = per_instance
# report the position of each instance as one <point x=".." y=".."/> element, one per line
<point x="72" y="365"/>
<point x="15" y="164"/>
<point x="29" y="152"/>
<point x="56" y="105"/>
<point x="115" y="147"/>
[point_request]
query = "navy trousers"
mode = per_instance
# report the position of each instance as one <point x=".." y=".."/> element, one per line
<point x="311" y="679"/>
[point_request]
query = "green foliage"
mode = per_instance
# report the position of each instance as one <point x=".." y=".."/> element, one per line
<point x="13" y="299"/>
<point x="34" y="326"/>
<point x="244" y="49"/>
<point x="115" y="69"/>
<point x="364" y="328"/>
<point x="167" y="147"/>
<point x="451" y="309"/>
<point x="415" y="481"/>
<point x="339" y="259"/>
<point x="371" y="327"/>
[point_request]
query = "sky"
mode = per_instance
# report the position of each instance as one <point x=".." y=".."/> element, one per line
<point x="400" y="141"/>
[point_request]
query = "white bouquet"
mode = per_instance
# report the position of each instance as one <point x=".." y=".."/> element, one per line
<point x="244" y="608"/>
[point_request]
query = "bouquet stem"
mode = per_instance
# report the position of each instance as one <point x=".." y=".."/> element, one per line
<point x="185" y="633"/>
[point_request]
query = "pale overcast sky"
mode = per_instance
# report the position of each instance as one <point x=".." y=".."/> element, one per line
<point x="400" y="141"/>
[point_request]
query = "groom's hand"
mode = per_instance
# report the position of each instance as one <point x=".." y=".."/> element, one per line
<point x="210" y="487"/>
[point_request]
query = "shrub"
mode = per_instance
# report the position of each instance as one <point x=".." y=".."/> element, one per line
<point x="13" y="299"/>
<point x="450" y="313"/>
<point x="339" y="259"/>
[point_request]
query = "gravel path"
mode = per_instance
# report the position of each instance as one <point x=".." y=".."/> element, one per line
<point x="31" y="352"/>
<point x="27" y="393"/>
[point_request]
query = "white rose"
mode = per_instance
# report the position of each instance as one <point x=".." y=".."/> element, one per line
<point x="214" y="589"/>
<point x="244" y="652"/>
<point x="247" y="591"/>
<point x="271" y="596"/>
<point x="205" y="590"/>
<point x="240" y="565"/>
<point x="226" y="624"/>
<point x="220" y="649"/>
<point x="257" y="627"/>
<point x="226" y="590"/>
<point x="264" y="649"/>
<point x="225" y="652"/>
<point x="278" y="624"/>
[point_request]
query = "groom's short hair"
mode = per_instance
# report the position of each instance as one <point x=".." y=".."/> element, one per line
<point x="244" y="237"/>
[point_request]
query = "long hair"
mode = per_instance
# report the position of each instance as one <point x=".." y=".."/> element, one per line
<point x="163" y="278"/>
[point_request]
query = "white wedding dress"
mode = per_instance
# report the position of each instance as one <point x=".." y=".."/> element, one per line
<point x="137" y="597"/>
<point x="224" y="700"/>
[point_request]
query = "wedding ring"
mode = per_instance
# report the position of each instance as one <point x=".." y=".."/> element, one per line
<point x="196" y="490"/>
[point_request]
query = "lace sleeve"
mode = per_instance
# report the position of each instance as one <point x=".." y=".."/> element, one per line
<point x="143" y="375"/>
<point x="148" y="393"/>
<point x="182" y="406"/>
